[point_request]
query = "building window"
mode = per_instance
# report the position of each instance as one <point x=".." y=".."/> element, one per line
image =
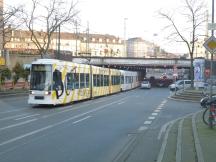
<point x="93" y="39"/>
<point x="100" y="40"/>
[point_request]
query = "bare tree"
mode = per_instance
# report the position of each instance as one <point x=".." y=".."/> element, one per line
<point x="193" y="14"/>
<point x="9" y="19"/>
<point x="48" y="15"/>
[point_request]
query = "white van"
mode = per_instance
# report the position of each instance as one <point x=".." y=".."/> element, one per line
<point x="180" y="84"/>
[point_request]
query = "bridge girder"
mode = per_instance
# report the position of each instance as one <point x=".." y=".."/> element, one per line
<point x="134" y="63"/>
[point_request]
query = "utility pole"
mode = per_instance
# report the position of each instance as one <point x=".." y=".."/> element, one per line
<point x="87" y="39"/>
<point x="59" y="41"/>
<point x="211" y="65"/>
<point x="125" y="47"/>
<point x="76" y="28"/>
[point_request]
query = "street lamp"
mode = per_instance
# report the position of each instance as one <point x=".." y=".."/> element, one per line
<point x="125" y="50"/>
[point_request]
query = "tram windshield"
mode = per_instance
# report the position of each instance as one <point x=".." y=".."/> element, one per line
<point x="41" y="77"/>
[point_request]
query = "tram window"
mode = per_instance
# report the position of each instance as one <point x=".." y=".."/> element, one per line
<point x="76" y="81"/>
<point x="57" y="80"/>
<point x="106" y="80"/>
<point x="112" y="80"/>
<point x="82" y="80"/>
<point x="102" y="80"/>
<point x="122" y="79"/>
<point x="95" y="80"/>
<point x="118" y="80"/>
<point x="87" y="80"/>
<point x="98" y="81"/>
<point x="70" y="81"/>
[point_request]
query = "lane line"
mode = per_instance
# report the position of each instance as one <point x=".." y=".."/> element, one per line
<point x="66" y="110"/>
<point x="142" y="128"/>
<point x="151" y="117"/>
<point x="121" y="103"/>
<point x="11" y="117"/>
<point x="25" y="135"/>
<point x="179" y="142"/>
<point x="162" y="130"/>
<point x="156" y="110"/>
<point x="56" y="124"/>
<point x="4" y="112"/>
<point x="27" y="117"/>
<point x="148" y="122"/>
<point x="18" y="124"/>
<point x="164" y="143"/>
<point x="82" y="119"/>
<point x="154" y="114"/>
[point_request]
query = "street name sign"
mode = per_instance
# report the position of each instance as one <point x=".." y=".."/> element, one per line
<point x="210" y="44"/>
<point x="211" y="26"/>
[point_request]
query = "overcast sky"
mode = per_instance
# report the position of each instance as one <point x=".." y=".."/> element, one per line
<point x="107" y="17"/>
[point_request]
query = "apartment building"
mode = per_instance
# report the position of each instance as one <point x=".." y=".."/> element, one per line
<point x="1" y="25"/>
<point x="70" y="43"/>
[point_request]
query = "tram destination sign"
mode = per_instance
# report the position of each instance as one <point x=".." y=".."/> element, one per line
<point x="210" y="44"/>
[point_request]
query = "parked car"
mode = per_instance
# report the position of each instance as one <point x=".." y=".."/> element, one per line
<point x="146" y="84"/>
<point x="180" y="84"/>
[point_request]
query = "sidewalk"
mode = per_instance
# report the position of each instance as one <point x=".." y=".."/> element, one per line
<point x="13" y="92"/>
<point x="193" y="141"/>
<point x="186" y="139"/>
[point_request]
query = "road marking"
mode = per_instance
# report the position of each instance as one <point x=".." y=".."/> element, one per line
<point x="56" y="124"/>
<point x="27" y="117"/>
<point x="23" y="136"/>
<point x="66" y="110"/>
<point x="11" y="117"/>
<point x="160" y="108"/>
<point x="164" y="101"/>
<point x="4" y="112"/>
<point x="156" y="110"/>
<point x="164" y="143"/>
<point x="148" y="122"/>
<point x="81" y="119"/>
<point x="142" y="128"/>
<point x="121" y="103"/>
<point x="154" y="114"/>
<point x="18" y="124"/>
<point x="162" y="130"/>
<point x="151" y="117"/>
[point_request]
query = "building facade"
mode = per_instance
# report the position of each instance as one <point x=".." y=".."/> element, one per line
<point x="70" y="43"/>
<point x="137" y="47"/>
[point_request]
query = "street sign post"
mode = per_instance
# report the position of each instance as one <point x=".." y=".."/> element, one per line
<point x="210" y="44"/>
<point x="211" y="26"/>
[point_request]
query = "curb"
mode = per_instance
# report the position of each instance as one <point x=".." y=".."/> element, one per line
<point x="13" y="94"/>
<point x="196" y="140"/>
<point x="175" y="99"/>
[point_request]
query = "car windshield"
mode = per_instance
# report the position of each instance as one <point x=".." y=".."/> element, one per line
<point x="41" y="77"/>
<point x="145" y="82"/>
<point x="179" y="82"/>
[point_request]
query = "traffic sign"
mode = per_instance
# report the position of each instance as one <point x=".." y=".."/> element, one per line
<point x="210" y="44"/>
<point x="211" y="26"/>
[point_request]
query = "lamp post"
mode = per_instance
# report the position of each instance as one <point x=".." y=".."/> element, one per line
<point x="211" y="65"/>
<point x="125" y="46"/>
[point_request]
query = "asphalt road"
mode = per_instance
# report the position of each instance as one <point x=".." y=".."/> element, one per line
<point x="90" y="131"/>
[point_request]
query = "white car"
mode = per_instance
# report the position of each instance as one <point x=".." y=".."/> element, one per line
<point x="146" y="84"/>
<point x="180" y="84"/>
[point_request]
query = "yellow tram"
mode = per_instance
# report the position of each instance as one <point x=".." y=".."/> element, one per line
<point x="56" y="82"/>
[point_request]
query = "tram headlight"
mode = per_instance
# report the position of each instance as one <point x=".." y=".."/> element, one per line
<point x="31" y="92"/>
<point x="47" y="92"/>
